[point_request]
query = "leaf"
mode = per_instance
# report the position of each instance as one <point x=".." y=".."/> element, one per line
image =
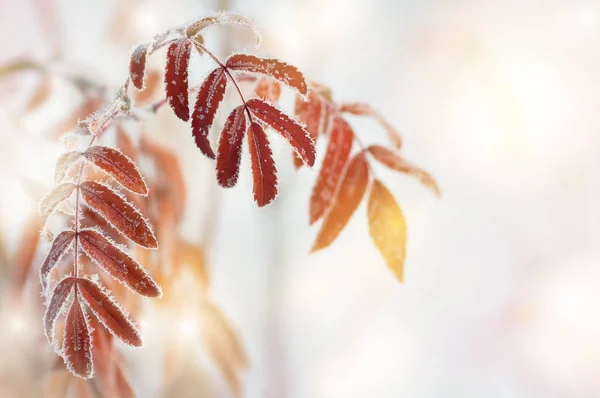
<point x="21" y="261"/>
<point x="395" y="162"/>
<point x="107" y="311"/>
<point x="310" y="112"/>
<point x="77" y="346"/>
<point x="118" y="166"/>
<point x="268" y="90"/>
<point x="62" y="244"/>
<point x="349" y="196"/>
<point x="336" y="159"/>
<point x="285" y="73"/>
<point x="361" y="109"/>
<point x="125" y="144"/>
<point x="263" y="166"/>
<point x="296" y="135"/>
<point x="176" y="77"/>
<point x="65" y="163"/>
<point x="150" y="89"/>
<point x="229" y="154"/>
<point x="117" y="263"/>
<point x="54" y="307"/>
<point x="208" y="100"/>
<point x="387" y="228"/>
<point x="121" y="215"/>
<point x="137" y="66"/>
<point x="52" y="199"/>
<point x="197" y="26"/>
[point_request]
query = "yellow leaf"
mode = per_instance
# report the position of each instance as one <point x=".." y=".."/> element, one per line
<point x="387" y="228"/>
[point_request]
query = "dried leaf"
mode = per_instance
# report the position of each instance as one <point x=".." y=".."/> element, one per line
<point x="392" y="160"/>
<point x="387" y="228"/>
<point x="197" y="26"/>
<point x="208" y="100"/>
<point x="349" y="196"/>
<point x="62" y="244"/>
<point x="52" y="199"/>
<point x="137" y="66"/>
<point x="118" y="166"/>
<point x="229" y="154"/>
<point x="296" y="135"/>
<point x="263" y="166"/>
<point x="65" y="163"/>
<point x="121" y="215"/>
<point x="117" y="263"/>
<point x="285" y="73"/>
<point x="334" y="163"/>
<point x="361" y="109"/>
<point x="108" y="312"/>
<point x="176" y="77"/>
<point x="268" y="90"/>
<point x="77" y="345"/>
<point x="55" y="306"/>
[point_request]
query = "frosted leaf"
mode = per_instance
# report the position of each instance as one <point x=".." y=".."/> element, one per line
<point x="65" y="163"/>
<point x="77" y="345"/>
<point x="62" y="245"/>
<point x="53" y="198"/>
<point x="366" y="110"/>
<point x="264" y="172"/>
<point x="351" y="191"/>
<point x="194" y="28"/>
<point x="120" y="214"/>
<point x="176" y="77"/>
<point x="289" y="128"/>
<point x="395" y="162"/>
<point x="208" y="100"/>
<point x="229" y="154"/>
<point x="137" y="66"/>
<point x="55" y="306"/>
<point x="117" y="165"/>
<point x="117" y="263"/>
<point x="267" y="89"/>
<point x="112" y="316"/>
<point x="334" y="163"/>
<point x="281" y="71"/>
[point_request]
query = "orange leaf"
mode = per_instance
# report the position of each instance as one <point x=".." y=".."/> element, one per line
<point x="349" y="196"/>
<point x="263" y="166"/>
<point x="117" y="263"/>
<point x="310" y="112"/>
<point x="108" y="312"/>
<point x="295" y="133"/>
<point x="54" y="307"/>
<point x="285" y="73"/>
<point x="395" y="162"/>
<point x="176" y="77"/>
<point x="361" y="109"/>
<point x="268" y="90"/>
<point x="229" y="154"/>
<point x="208" y="100"/>
<point x="62" y="244"/>
<point x="125" y="144"/>
<point x="387" y="228"/>
<point x="118" y="166"/>
<point x="137" y="66"/>
<point x="151" y="88"/>
<point x="121" y="215"/>
<point x="77" y="345"/>
<point x="336" y="159"/>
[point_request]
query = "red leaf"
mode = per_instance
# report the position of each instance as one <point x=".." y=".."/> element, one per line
<point x="77" y="346"/>
<point x="62" y="244"/>
<point x="53" y="198"/>
<point x="208" y="100"/>
<point x="351" y="192"/>
<point x="263" y="166"/>
<point x="366" y="110"/>
<point x="285" y="73"/>
<point x="296" y="135"/>
<point x="137" y="66"/>
<point x="117" y="263"/>
<point x="268" y="90"/>
<point x="108" y="312"/>
<point x="55" y="305"/>
<point x="121" y="215"/>
<point x="395" y="162"/>
<point x="118" y="166"/>
<point x="336" y="158"/>
<point x="310" y="112"/>
<point x="176" y="77"/>
<point x="230" y="148"/>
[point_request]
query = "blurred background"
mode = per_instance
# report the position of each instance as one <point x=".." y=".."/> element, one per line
<point x="497" y="99"/>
